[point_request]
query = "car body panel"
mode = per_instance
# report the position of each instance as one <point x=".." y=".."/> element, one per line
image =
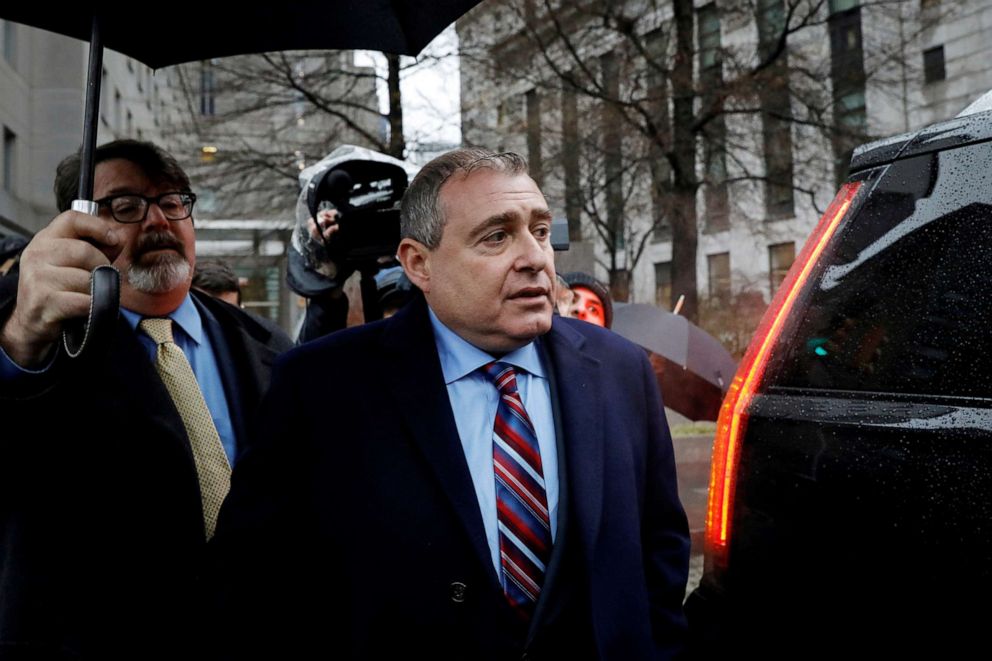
<point x="862" y="512"/>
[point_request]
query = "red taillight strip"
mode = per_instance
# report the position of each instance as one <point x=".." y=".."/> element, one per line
<point x="734" y="411"/>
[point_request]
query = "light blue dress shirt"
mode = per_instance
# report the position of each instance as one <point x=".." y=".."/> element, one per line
<point x="189" y="334"/>
<point x="474" y="399"/>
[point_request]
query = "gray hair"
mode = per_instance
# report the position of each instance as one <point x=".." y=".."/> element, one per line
<point x="421" y="217"/>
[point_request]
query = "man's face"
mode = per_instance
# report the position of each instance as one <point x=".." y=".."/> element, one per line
<point x="157" y="255"/>
<point x="587" y="306"/>
<point x="491" y="279"/>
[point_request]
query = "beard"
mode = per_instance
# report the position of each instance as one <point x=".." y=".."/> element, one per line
<point x="163" y="271"/>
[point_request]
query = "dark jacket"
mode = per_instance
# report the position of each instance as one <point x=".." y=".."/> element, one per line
<point x="353" y="530"/>
<point x="101" y="533"/>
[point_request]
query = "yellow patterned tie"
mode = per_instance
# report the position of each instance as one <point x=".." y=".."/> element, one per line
<point x="212" y="467"/>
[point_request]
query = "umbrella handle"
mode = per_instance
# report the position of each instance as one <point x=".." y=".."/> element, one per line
<point x="79" y="335"/>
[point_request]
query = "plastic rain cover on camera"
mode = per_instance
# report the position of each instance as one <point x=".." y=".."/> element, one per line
<point x="312" y="269"/>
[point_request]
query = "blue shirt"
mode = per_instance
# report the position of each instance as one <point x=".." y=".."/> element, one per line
<point x="188" y="333"/>
<point x="474" y="399"/>
<point x="192" y="339"/>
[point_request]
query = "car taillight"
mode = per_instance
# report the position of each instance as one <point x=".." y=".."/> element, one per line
<point x="734" y="411"/>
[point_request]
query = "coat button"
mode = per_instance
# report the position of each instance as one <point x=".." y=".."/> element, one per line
<point x="457" y="591"/>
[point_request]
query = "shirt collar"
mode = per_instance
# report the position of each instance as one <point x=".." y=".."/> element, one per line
<point x="186" y="316"/>
<point x="459" y="358"/>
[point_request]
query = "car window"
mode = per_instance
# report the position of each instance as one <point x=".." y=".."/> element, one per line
<point x="902" y="304"/>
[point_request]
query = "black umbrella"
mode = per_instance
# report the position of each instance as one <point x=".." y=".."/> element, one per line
<point x="195" y="31"/>
<point x="693" y="368"/>
<point x="188" y="31"/>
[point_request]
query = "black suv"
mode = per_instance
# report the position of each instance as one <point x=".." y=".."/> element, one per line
<point x="851" y="489"/>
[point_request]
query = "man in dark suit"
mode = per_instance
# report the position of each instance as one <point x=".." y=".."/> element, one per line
<point x="470" y="479"/>
<point x="104" y="515"/>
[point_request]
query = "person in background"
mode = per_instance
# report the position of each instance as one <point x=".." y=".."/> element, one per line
<point x="395" y="290"/>
<point x="592" y="301"/>
<point x="326" y="312"/>
<point x="216" y="278"/>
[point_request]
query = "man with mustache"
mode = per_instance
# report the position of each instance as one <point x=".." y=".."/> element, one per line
<point x="488" y="482"/>
<point x="110" y="478"/>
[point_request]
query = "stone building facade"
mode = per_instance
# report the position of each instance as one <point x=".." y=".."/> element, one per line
<point x="881" y="68"/>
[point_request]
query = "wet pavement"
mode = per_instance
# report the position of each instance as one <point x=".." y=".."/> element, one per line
<point x="693" y="444"/>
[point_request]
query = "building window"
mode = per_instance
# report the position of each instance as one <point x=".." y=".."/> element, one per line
<point x="771" y="23"/>
<point x="715" y="133"/>
<point x="716" y="195"/>
<point x="207" y="88"/>
<point x="661" y="196"/>
<point x="661" y="171"/>
<point x="776" y="107"/>
<point x="663" y="285"/>
<point x="780" y="258"/>
<point x="842" y="5"/>
<point x="533" y="101"/>
<point x="10" y="43"/>
<point x="851" y="107"/>
<point x="612" y="142"/>
<point x="709" y="37"/>
<point x="847" y="72"/>
<point x="718" y="266"/>
<point x="9" y="159"/>
<point x="933" y="65"/>
<point x="779" y="193"/>
<point x="509" y="122"/>
<point x="570" y="163"/>
<point x="130" y="124"/>
<point x="260" y="290"/>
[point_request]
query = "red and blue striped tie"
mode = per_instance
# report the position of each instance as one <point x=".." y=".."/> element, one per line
<point x="521" y="501"/>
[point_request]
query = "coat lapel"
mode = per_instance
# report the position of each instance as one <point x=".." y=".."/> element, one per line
<point x="580" y="401"/>
<point x="129" y="364"/>
<point x="244" y="361"/>
<point x="417" y="384"/>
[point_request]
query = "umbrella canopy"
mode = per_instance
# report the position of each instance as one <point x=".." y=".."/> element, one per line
<point x="198" y="30"/>
<point x="675" y="338"/>
<point x="693" y="368"/>
<point x="685" y="392"/>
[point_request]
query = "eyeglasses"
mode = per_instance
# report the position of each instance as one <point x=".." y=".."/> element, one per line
<point x="134" y="208"/>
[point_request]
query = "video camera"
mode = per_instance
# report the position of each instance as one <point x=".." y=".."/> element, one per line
<point x="365" y="187"/>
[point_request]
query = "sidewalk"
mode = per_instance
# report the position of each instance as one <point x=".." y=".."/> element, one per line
<point x="693" y="445"/>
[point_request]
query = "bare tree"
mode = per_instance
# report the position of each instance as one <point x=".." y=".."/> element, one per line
<point x="255" y="121"/>
<point x="764" y="96"/>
